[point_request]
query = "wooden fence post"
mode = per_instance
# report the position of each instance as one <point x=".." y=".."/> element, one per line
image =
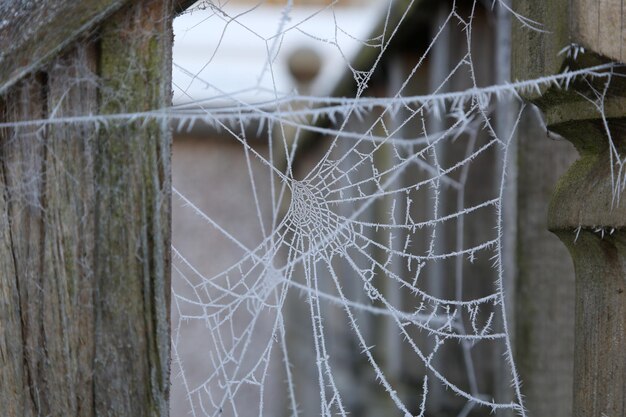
<point x="587" y="211"/>
<point x="85" y="209"/>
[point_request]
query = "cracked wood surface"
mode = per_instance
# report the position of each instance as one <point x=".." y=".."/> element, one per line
<point x="85" y="228"/>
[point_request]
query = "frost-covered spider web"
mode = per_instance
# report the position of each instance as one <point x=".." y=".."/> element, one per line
<point x="354" y="265"/>
<point x="340" y="240"/>
<point x="365" y="277"/>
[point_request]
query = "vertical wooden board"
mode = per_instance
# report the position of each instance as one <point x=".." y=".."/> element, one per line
<point x="11" y="370"/>
<point x="419" y="209"/>
<point x="440" y="278"/>
<point x="535" y="53"/>
<point x="484" y="175"/>
<point x="480" y="182"/>
<point x="544" y="294"/>
<point x="49" y="240"/>
<point x="610" y="28"/>
<point x="622" y="38"/>
<point x="585" y="15"/>
<point x="598" y="25"/>
<point x="583" y="215"/>
<point x="12" y="378"/>
<point x="52" y="264"/>
<point x="22" y="164"/>
<point x="600" y="368"/>
<point x="132" y="169"/>
<point x="69" y="221"/>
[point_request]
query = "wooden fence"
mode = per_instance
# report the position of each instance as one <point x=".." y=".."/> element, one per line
<point x="84" y="209"/>
<point x="584" y="212"/>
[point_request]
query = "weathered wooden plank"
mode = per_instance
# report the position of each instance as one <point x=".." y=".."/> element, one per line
<point x="585" y="215"/>
<point x="600" y="387"/>
<point x="583" y="212"/>
<point x="535" y="54"/>
<point x="22" y="183"/>
<point x="600" y="368"/>
<point x="610" y="29"/>
<point x="584" y="19"/>
<point x="69" y="218"/>
<point x="133" y="215"/>
<point x="599" y="25"/>
<point x="20" y="358"/>
<point x="34" y="32"/>
<point x="84" y="229"/>
<point x="11" y="369"/>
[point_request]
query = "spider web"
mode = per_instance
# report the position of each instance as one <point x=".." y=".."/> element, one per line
<point x="366" y="274"/>
<point x="363" y="253"/>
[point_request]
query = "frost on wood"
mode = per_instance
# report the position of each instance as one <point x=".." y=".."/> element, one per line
<point x="84" y="213"/>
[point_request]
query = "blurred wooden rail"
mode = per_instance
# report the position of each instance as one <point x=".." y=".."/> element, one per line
<point x="585" y="212"/>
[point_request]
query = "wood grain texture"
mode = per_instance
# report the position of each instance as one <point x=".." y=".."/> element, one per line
<point x="599" y="26"/>
<point x="600" y="363"/>
<point x="536" y="54"/>
<point x="69" y="197"/>
<point x="84" y="229"/>
<point x="34" y="32"/>
<point x="133" y="215"/>
<point x="21" y="159"/>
